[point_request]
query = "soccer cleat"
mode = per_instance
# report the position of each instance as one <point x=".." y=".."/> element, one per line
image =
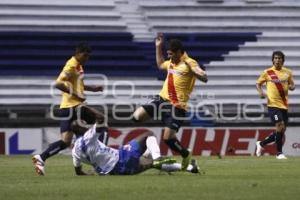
<point x="259" y="149"/>
<point x="195" y="166"/>
<point x="39" y="165"/>
<point x="186" y="161"/>
<point x="281" y="157"/>
<point x="157" y="163"/>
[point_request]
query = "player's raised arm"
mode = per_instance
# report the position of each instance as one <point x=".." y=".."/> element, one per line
<point x="159" y="54"/>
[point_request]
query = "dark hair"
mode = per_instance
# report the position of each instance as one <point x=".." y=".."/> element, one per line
<point x="83" y="47"/>
<point x="175" y="45"/>
<point x="278" y="53"/>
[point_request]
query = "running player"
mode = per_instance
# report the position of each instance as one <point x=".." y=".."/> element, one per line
<point x="278" y="80"/>
<point x="70" y="82"/>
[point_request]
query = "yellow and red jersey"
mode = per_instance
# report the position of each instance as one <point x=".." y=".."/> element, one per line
<point x="180" y="81"/>
<point x="276" y="80"/>
<point x="72" y="76"/>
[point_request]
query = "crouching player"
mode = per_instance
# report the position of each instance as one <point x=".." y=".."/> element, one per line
<point x="127" y="160"/>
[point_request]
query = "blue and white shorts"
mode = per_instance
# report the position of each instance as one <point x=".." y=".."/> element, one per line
<point x="129" y="158"/>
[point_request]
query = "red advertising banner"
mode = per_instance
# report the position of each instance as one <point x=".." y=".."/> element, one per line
<point x="213" y="141"/>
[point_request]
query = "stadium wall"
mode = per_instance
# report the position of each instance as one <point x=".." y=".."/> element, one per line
<point x="202" y="141"/>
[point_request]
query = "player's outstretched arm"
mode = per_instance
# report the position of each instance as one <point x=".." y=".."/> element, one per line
<point x="158" y="53"/>
<point x="93" y="88"/>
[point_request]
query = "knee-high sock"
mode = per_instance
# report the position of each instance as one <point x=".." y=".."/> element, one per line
<point x="153" y="147"/>
<point x="53" y="149"/>
<point x="279" y="142"/>
<point x="175" y="145"/>
<point x="269" y="139"/>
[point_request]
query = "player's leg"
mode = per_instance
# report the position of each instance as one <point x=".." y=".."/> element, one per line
<point x="130" y="161"/>
<point x="140" y="114"/>
<point x="280" y="130"/>
<point x="148" y="142"/>
<point x="66" y="135"/>
<point x="280" y="127"/>
<point x="171" y="140"/>
<point x="147" y="111"/>
<point x="173" y="118"/>
<point x="57" y="146"/>
<point x="277" y="119"/>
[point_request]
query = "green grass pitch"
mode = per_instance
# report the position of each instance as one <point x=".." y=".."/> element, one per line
<point x="229" y="178"/>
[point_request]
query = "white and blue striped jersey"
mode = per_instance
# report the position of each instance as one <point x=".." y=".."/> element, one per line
<point x="88" y="149"/>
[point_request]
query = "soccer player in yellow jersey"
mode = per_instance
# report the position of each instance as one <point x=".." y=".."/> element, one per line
<point x="72" y="107"/>
<point x="278" y="80"/>
<point x="171" y="104"/>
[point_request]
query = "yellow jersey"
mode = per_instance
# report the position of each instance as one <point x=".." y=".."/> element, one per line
<point x="72" y="76"/>
<point x="271" y="77"/>
<point x="180" y="81"/>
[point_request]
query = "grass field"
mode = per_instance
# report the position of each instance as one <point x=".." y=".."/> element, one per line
<point x="227" y="178"/>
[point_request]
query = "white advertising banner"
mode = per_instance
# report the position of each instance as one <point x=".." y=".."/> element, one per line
<point x="21" y="141"/>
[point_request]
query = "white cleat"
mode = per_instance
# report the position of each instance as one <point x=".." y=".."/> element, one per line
<point x="259" y="149"/>
<point x="39" y="165"/>
<point x="281" y="157"/>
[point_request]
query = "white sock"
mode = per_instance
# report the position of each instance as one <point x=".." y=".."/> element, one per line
<point x="153" y="147"/>
<point x="171" y="167"/>
<point x="174" y="167"/>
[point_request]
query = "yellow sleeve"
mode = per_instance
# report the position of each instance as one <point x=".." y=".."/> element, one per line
<point x="262" y="78"/>
<point x="192" y="63"/>
<point x="66" y="73"/>
<point x="165" y="65"/>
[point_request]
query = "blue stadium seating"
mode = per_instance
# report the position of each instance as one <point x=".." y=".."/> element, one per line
<point x="114" y="54"/>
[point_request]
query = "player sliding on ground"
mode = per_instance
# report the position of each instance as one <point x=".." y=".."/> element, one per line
<point x="127" y="160"/>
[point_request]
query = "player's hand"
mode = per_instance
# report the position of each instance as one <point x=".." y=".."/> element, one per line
<point x="159" y="39"/>
<point x="291" y="87"/>
<point x="96" y="88"/>
<point x="262" y="96"/>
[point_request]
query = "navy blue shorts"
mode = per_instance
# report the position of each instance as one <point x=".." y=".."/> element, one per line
<point x="129" y="159"/>
<point x="71" y="114"/>
<point x="171" y="116"/>
<point x="278" y="115"/>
